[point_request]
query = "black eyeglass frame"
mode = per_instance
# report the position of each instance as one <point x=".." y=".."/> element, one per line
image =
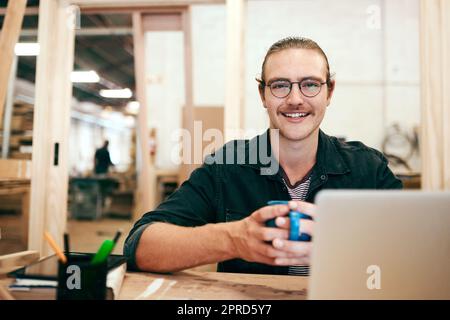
<point x="263" y="84"/>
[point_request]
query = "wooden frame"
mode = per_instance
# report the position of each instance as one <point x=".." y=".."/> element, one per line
<point x="49" y="176"/>
<point x="435" y="97"/>
<point x="49" y="186"/>
<point x="8" y="38"/>
<point x="235" y="87"/>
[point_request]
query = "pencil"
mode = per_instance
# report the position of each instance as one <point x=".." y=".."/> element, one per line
<point x="66" y="243"/>
<point x="55" y="247"/>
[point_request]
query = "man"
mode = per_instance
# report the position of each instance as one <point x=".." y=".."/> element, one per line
<point x="102" y="160"/>
<point x="219" y="213"/>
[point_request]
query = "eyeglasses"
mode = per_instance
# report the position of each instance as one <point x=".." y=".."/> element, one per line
<point x="308" y="87"/>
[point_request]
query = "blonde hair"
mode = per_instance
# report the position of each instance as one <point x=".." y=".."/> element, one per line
<point x="293" y="43"/>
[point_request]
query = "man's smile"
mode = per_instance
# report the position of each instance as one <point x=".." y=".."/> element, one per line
<point x="295" y="116"/>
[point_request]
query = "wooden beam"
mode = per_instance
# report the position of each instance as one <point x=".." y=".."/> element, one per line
<point x="8" y="38"/>
<point x="49" y="177"/>
<point x="234" y="85"/>
<point x="146" y="173"/>
<point x="162" y="22"/>
<point x="130" y="10"/>
<point x="435" y="96"/>
<point x="188" y="68"/>
<point x="88" y="32"/>
<point x="16" y="260"/>
<point x="138" y="4"/>
<point x="188" y="112"/>
<point x="30" y="11"/>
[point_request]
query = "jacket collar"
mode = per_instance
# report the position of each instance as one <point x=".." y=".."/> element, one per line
<point x="329" y="160"/>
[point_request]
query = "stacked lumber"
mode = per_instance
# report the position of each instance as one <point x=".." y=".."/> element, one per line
<point x="21" y="137"/>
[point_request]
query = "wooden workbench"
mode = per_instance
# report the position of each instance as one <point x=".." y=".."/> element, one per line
<point x="194" y="285"/>
<point x="212" y="286"/>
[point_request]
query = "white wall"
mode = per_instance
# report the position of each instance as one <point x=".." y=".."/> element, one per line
<point x="209" y="47"/>
<point x="372" y="46"/>
<point x="377" y="69"/>
<point x="165" y="90"/>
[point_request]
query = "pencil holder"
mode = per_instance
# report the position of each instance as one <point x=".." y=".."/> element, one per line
<point x="78" y="279"/>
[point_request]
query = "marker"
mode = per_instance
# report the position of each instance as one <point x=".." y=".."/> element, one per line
<point x="105" y="250"/>
<point x="55" y="247"/>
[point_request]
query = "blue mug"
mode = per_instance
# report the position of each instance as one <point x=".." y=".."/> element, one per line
<point x="294" y="221"/>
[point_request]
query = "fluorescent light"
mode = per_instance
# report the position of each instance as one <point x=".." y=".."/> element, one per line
<point x="116" y="93"/>
<point x="84" y="76"/>
<point x="133" y="107"/>
<point x="27" y="49"/>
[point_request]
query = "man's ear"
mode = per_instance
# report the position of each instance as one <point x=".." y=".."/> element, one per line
<point x="331" y="91"/>
<point x="261" y="95"/>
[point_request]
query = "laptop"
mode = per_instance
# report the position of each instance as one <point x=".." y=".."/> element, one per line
<point x="371" y="244"/>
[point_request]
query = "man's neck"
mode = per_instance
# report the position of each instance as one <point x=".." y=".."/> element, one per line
<point x="296" y="157"/>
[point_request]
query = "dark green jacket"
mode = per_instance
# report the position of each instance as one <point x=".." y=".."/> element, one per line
<point x="219" y="192"/>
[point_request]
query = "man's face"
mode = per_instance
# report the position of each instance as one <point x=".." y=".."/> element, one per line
<point x="296" y="65"/>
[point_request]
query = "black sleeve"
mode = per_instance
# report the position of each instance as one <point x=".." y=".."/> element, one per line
<point x="386" y="178"/>
<point x="193" y="204"/>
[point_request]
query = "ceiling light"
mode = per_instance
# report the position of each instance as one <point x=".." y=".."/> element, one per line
<point x="84" y="76"/>
<point x="27" y="49"/>
<point x="116" y="93"/>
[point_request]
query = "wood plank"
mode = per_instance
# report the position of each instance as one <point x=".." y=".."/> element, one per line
<point x="49" y="180"/>
<point x="162" y="22"/>
<point x="9" y="36"/>
<point x="188" y="111"/>
<point x="30" y="11"/>
<point x="15" y="169"/>
<point x="234" y="86"/>
<point x="435" y="96"/>
<point x="146" y="184"/>
<point x="25" y="217"/>
<point x="13" y="261"/>
<point x="131" y="10"/>
<point x="139" y="4"/>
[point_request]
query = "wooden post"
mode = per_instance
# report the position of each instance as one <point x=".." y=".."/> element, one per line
<point x="49" y="174"/>
<point x="435" y="96"/>
<point x="188" y="111"/>
<point x="8" y="38"/>
<point x="235" y="57"/>
<point x="146" y="175"/>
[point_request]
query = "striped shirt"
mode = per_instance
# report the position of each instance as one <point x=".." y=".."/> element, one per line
<point x="299" y="191"/>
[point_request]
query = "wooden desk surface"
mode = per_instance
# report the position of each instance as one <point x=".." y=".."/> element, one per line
<point x="212" y="286"/>
<point x="194" y="285"/>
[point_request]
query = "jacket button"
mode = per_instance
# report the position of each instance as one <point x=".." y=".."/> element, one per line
<point x="323" y="177"/>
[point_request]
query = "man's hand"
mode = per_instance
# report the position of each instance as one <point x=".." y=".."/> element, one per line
<point x="300" y="251"/>
<point x="252" y="240"/>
